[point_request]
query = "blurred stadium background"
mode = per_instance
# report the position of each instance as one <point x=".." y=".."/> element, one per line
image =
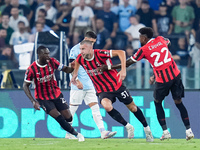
<point x="17" y="117"/>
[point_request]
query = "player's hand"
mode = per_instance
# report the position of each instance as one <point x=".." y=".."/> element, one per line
<point x="73" y="79"/>
<point x="102" y="68"/>
<point x="79" y="84"/>
<point x="122" y="75"/>
<point x="36" y="105"/>
<point x="152" y="80"/>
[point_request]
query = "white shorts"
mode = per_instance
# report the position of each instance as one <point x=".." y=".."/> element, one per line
<point x="77" y="96"/>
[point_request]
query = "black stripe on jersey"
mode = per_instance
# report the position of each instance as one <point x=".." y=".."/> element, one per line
<point x="157" y="73"/>
<point x="92" y="76"/>
<point x="162" y="75"/>
<point x="167" y="73"/>
<point x="52" y="64"/>
<point x="55" y="64"/>
<point x="32" y="67"/>
<point x="90" y="62"/>
<point x="104" y="57"/>
<point x="46" y="84"/>
<point x="107" y="71"/>
<point x="79" y="60"/>
<point x="52" y="91"/>
<point x="170" y="67"/>
<point x="42" y="91"/>
<point x="173" y="64"/>
<point x="113" y="88"/>
<point x="139" y="54"/>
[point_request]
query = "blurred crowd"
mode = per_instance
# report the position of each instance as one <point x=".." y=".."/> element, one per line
<point x="116" y="23"/>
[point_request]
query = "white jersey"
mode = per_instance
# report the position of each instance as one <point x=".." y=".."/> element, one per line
<point x="82" y="75"/>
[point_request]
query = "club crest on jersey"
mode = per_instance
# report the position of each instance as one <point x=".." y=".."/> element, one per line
<point x="97" y="63"/>
<point x="50" y="69"/>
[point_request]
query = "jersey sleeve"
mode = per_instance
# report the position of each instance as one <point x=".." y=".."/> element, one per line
<point x="78" y="59"/>
<point x="57" y="64"/>
<point x="29" y="75"/>
<point x="105" y="53"/>
<point x="138" y="55"/>
<point x="74" y="52"/>
<point x="166" y="40"/>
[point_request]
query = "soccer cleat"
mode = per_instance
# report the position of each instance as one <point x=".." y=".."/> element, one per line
<point x="189" y="134"/>
<point x="130" y="130"/>
<point x="166" y="135"/>
<point x="70" y="136"/>
<point x="149" y="137"/>
<point x="107" y="134"/>
<point x="80" y="137"/>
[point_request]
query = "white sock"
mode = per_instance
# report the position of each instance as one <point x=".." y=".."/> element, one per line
<point x="97" y="117"/>
<point x="73" y="109"/>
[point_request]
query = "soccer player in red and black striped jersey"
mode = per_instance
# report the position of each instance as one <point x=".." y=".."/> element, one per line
<point x="108" y="84"/>
<point x="166" y="74"/>
<point x="47" y="93"/>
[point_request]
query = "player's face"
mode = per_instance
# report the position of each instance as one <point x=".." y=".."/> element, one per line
<point x="44" y="56"/>
<point x="86" y="51"/>
<point x="142" y="40"/>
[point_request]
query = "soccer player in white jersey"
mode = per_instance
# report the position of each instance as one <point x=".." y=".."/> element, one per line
<point x="84" y="90"/>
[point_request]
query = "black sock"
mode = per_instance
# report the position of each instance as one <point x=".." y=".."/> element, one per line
<point x="184" y="115"/>
<point x="65" y="125"/>
<point x="140" y="116"/>
<point x="160" y="115"/>
<point x="117" y="116"/>
<point x="69" y="119"/>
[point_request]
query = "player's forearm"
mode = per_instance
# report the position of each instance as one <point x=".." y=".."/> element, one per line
<point x="76" y="68"/>
<point x="128" y="63"/>
<point x="28" y="92"/>
<point x="122" y="57"/>
<point x="67" y="69"/>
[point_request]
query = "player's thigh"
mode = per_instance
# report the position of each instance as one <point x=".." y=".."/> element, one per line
<point x="61" y="103"/>
<point x="161" y="91"/>
<point x="90" y="97"/>
<point x="76" y="97"/>
<point x="123" y="95"/>
<point x="177" y="89"/>
<point x="47" y="105"/>
<point x="107" y="95"/>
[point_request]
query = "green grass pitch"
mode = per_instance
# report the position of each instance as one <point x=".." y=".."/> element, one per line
<point x="96" y="144"/>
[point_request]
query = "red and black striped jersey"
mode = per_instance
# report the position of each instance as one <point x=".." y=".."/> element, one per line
<point x="44" y="78"/>
<point x="106" y="81"/>
<point x="157" y="53"/>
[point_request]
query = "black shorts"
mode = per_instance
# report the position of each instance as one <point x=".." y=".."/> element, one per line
<point x="175" y="86"/>
<point x="122" y="94"/>
<point x="59" y="103"/>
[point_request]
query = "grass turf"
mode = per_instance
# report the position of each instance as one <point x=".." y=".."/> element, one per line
<point x="96" y="144"/>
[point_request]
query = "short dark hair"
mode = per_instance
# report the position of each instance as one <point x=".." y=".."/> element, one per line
<point x="43" y="11"/>
<point x="21" y="22"/>
<point x="86" y="41"/>
<point x="91" y="34"/>
<point x="40" y="48"/>
<point x="147" y="31"/>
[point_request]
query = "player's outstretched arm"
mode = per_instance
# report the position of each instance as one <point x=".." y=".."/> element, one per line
<point x="129" y="62"/>
<point x="67" y="69"/>
<point x="26" y="85"/>
<point x="75" y="73"/>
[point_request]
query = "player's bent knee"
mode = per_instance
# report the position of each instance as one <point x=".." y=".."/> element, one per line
<point x="69" y="119"/>
<point x="177" y="101"/>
